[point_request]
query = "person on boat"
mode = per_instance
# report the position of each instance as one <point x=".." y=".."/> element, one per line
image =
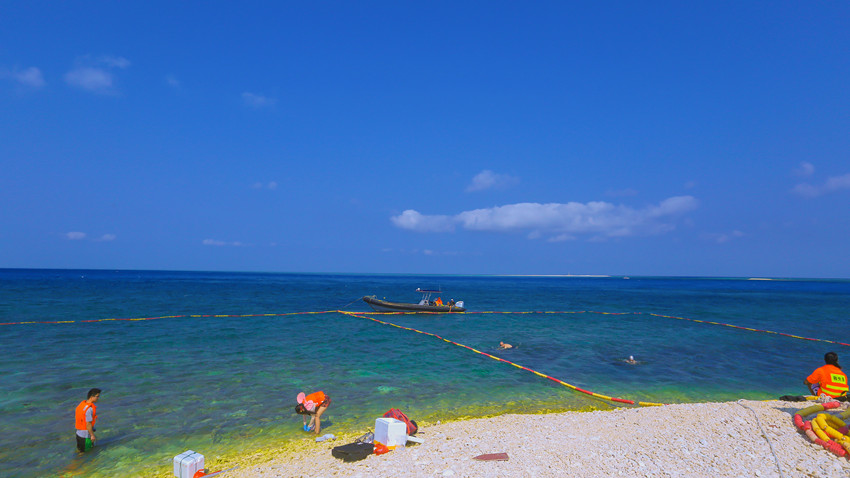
<point x="503" y="345"/>
<point x="85" y="417"/>
<point x="439" y="301"/>
<point x="314" y="405"/>
<point x="828" y="379"/>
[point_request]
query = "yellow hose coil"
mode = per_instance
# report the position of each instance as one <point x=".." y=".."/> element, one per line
<point x="819" y="431"/>
<point x="810" y="409"/>
<point x="824" y="420"/>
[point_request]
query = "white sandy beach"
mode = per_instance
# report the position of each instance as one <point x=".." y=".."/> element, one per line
<point x="699" y="440"/>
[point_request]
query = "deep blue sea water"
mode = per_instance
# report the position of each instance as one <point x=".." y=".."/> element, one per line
<point x="227" y="385"/>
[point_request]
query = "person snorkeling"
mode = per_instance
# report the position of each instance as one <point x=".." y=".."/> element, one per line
<point x="828" y="379"/>
<point x="314" y="405"/>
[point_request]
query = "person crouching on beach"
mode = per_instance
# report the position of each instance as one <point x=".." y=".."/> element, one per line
<point x="828" y="379"/>
<point x="314" y="405"/>
<point x="85" y="417"/>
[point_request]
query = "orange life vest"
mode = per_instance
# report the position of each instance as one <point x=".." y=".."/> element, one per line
<point x="832" y="380"/>
<point x="80" y="415"/>
<point x="316" y="397"/>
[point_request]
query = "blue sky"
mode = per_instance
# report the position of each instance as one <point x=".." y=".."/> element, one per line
<point x="623" y="138"/>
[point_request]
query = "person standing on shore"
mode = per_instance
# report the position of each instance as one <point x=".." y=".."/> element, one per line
<point x="85" y="417"/>
<point x="828" y="379"/>
<point x="314" y="405"/>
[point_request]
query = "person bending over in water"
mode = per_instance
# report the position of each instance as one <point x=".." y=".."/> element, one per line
<point x="314" y="405"/>
<point x="828" y="379"/>
<point x="503" y="345"/>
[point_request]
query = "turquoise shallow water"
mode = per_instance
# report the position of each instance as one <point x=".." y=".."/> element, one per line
<point x="227" y="385"/>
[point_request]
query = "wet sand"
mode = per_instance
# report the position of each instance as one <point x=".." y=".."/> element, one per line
<point x="731" y="439"/>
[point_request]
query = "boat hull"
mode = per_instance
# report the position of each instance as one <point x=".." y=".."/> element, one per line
<point x="379" y="305"/>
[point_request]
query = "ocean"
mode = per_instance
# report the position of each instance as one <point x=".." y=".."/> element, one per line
<point x="216" y="359"/>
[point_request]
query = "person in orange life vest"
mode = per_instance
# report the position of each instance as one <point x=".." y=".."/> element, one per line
<point x="85" y="416"/>
<point x="828" y="379"/>
<point x="314" y="405"/>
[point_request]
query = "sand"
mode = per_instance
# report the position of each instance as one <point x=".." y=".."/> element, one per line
<point x="732" y="439"/>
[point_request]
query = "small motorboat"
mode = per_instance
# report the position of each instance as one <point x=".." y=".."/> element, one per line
<point x="424" y="305"/>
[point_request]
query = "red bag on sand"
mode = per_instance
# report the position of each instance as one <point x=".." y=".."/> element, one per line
<point x="380" y="449"/>
<point x="412" y="428"/>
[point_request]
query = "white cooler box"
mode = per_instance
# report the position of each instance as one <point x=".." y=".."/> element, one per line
<point x="188" y="463"/>
<point x="390" y="432"/>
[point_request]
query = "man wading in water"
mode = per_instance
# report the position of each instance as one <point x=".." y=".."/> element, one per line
<point x="85" y="417"/>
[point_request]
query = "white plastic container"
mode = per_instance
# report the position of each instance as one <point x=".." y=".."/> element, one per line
<point x="390" y="432"/>
<point x="187" y="464"/>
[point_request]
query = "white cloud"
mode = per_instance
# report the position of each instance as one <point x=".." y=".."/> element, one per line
<point x="415" y="221"/>
<point x="424" y="252"/>
<point x="95" y="75"/>
<point x="257" y="101"/>
<point x="558" y="221"/>
<point x="488" y="180"/>
<point x="558" y="238"/>
<point x="88" y="78"/>
<point x="79" y="236"/>
<point x="833" y="184"/>
<point x="216" y="242"/>
<point x="28" y="77"/>
<point x="269" y="185"/>
<point x="805" y="169"/>
<point x="721" y="237"/>
<point x="115" y="61"/>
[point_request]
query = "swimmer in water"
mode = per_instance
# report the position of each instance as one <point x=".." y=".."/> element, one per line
<point x="631" y="360"/>
<point x="503" y="345"/>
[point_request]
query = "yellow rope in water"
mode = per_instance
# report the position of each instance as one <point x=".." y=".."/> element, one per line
<point x="573" y="387"/>
<point x="436" y="313"/>
<point x="366" y="315"/>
